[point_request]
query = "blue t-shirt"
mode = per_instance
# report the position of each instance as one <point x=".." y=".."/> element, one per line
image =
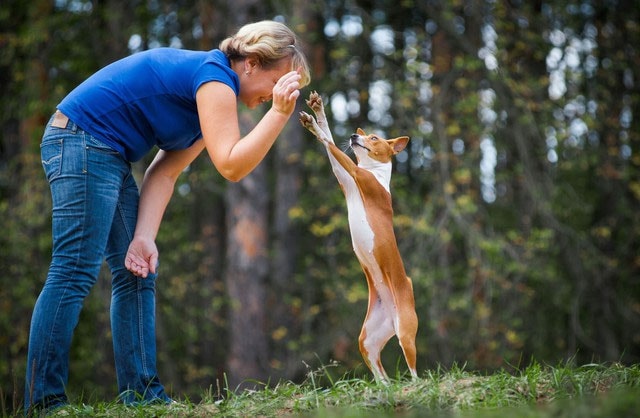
<point x="147" y="99"/>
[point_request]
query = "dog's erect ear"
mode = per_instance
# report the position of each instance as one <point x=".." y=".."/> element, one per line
<point x="360" y="132"/>
<point x="398" y="144"/>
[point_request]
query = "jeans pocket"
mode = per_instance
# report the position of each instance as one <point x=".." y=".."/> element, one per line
<point x="51" y="154"/>
<point x="96" y="144"/>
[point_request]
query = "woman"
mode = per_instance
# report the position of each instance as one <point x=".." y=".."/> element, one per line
<point x="182" y="102"/>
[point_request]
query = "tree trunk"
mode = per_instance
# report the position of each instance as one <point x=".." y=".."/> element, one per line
<point x="285" y="316"/>
<point x="245" y="278"/>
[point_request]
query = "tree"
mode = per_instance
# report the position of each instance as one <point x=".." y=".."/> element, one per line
<point x="247" y="265"/>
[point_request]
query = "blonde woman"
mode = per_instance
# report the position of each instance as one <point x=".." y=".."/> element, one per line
<point x="182" y="102"/>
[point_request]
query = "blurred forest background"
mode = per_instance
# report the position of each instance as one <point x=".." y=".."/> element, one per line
<point x="516" y="203"/>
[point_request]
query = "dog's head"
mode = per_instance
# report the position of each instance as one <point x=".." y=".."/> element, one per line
<point x="372" y="147"/>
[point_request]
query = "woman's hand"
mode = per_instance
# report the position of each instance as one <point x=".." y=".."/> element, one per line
<point x="142" y="257"/>
<point x="157" y="188"/>
<point x="286" y="92"/>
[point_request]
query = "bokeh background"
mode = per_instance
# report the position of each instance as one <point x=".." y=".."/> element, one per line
<point x="516" y="203"/>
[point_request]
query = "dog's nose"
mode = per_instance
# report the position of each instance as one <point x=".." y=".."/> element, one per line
<point x="354" y="137"/>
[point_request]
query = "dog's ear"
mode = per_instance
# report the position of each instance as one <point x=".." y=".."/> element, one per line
<point x="360" y="132"/>
<point x="398" y="144"/>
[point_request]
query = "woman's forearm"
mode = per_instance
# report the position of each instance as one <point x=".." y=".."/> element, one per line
<point x="248" y="152"/>
<point x="155" y="194"/>
<point x="157" y="187"/>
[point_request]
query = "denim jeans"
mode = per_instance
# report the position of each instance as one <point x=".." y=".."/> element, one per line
<point x="95" y="204"/>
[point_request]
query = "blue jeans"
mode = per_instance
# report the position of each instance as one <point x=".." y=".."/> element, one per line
<point x="95" y="205"/>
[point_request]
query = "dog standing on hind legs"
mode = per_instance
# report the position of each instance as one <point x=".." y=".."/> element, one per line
<point x="391" y="310"/>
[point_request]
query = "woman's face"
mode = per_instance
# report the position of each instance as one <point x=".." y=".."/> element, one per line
<point x="256" y="87"/>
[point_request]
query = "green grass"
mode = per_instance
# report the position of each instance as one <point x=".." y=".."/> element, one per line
<point x="536" y="392"/>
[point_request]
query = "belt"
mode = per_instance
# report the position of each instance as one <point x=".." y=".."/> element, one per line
<point x="60" y="120"/>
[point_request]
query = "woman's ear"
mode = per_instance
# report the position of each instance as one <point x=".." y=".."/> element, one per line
<point x="250" y="63"/>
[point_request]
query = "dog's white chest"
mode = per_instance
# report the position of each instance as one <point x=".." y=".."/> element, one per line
<point x="362" y="235"/>
<point x="363" y="240"/>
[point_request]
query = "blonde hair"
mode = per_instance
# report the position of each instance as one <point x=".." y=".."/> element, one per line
<point x="268" y="42"/>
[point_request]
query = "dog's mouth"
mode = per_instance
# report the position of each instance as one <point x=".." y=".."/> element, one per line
<point x="355" y="143"/>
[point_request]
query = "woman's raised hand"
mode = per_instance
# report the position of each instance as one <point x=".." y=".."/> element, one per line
<point x="286" y="92"/>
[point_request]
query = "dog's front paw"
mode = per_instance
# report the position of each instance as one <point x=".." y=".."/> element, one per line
<point x="315" y="102"/>
<point x="306" y="120"/>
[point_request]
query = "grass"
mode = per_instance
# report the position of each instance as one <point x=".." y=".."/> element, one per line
<point x="538" y="391"/>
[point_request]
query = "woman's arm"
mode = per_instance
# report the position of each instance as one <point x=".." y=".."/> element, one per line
<point x="232" y="156"/>
<point x="157" y="188"/>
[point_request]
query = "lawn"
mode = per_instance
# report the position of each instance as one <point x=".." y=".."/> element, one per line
<point x="593" y="390"/>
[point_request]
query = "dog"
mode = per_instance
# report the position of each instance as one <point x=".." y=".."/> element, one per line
<point x="391" y="308"/>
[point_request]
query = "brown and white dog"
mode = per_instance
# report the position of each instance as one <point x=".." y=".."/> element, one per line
<point x="391" y="307"/>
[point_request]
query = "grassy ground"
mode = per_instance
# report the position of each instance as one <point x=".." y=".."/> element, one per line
<point x="535" y="392"/>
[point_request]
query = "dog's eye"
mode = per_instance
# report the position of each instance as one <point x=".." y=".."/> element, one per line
<point x="374" y="138"/>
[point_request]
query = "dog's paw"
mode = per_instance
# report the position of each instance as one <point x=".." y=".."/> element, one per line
<point x="306" y="120"/>
<point x="315" y="101"/>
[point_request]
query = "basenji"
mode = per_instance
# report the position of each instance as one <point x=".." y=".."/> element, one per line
<point x="365" y="185"/>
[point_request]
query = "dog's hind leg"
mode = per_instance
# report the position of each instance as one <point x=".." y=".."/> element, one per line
<point x="376" y="332"/>
<point x="377" y="329"/>
<point x="407" y="328"/>
<point x="406" y="322"/>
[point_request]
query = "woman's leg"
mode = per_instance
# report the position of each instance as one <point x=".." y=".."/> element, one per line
<point x="85" y="182"/>
<point x="132" y="310"/>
